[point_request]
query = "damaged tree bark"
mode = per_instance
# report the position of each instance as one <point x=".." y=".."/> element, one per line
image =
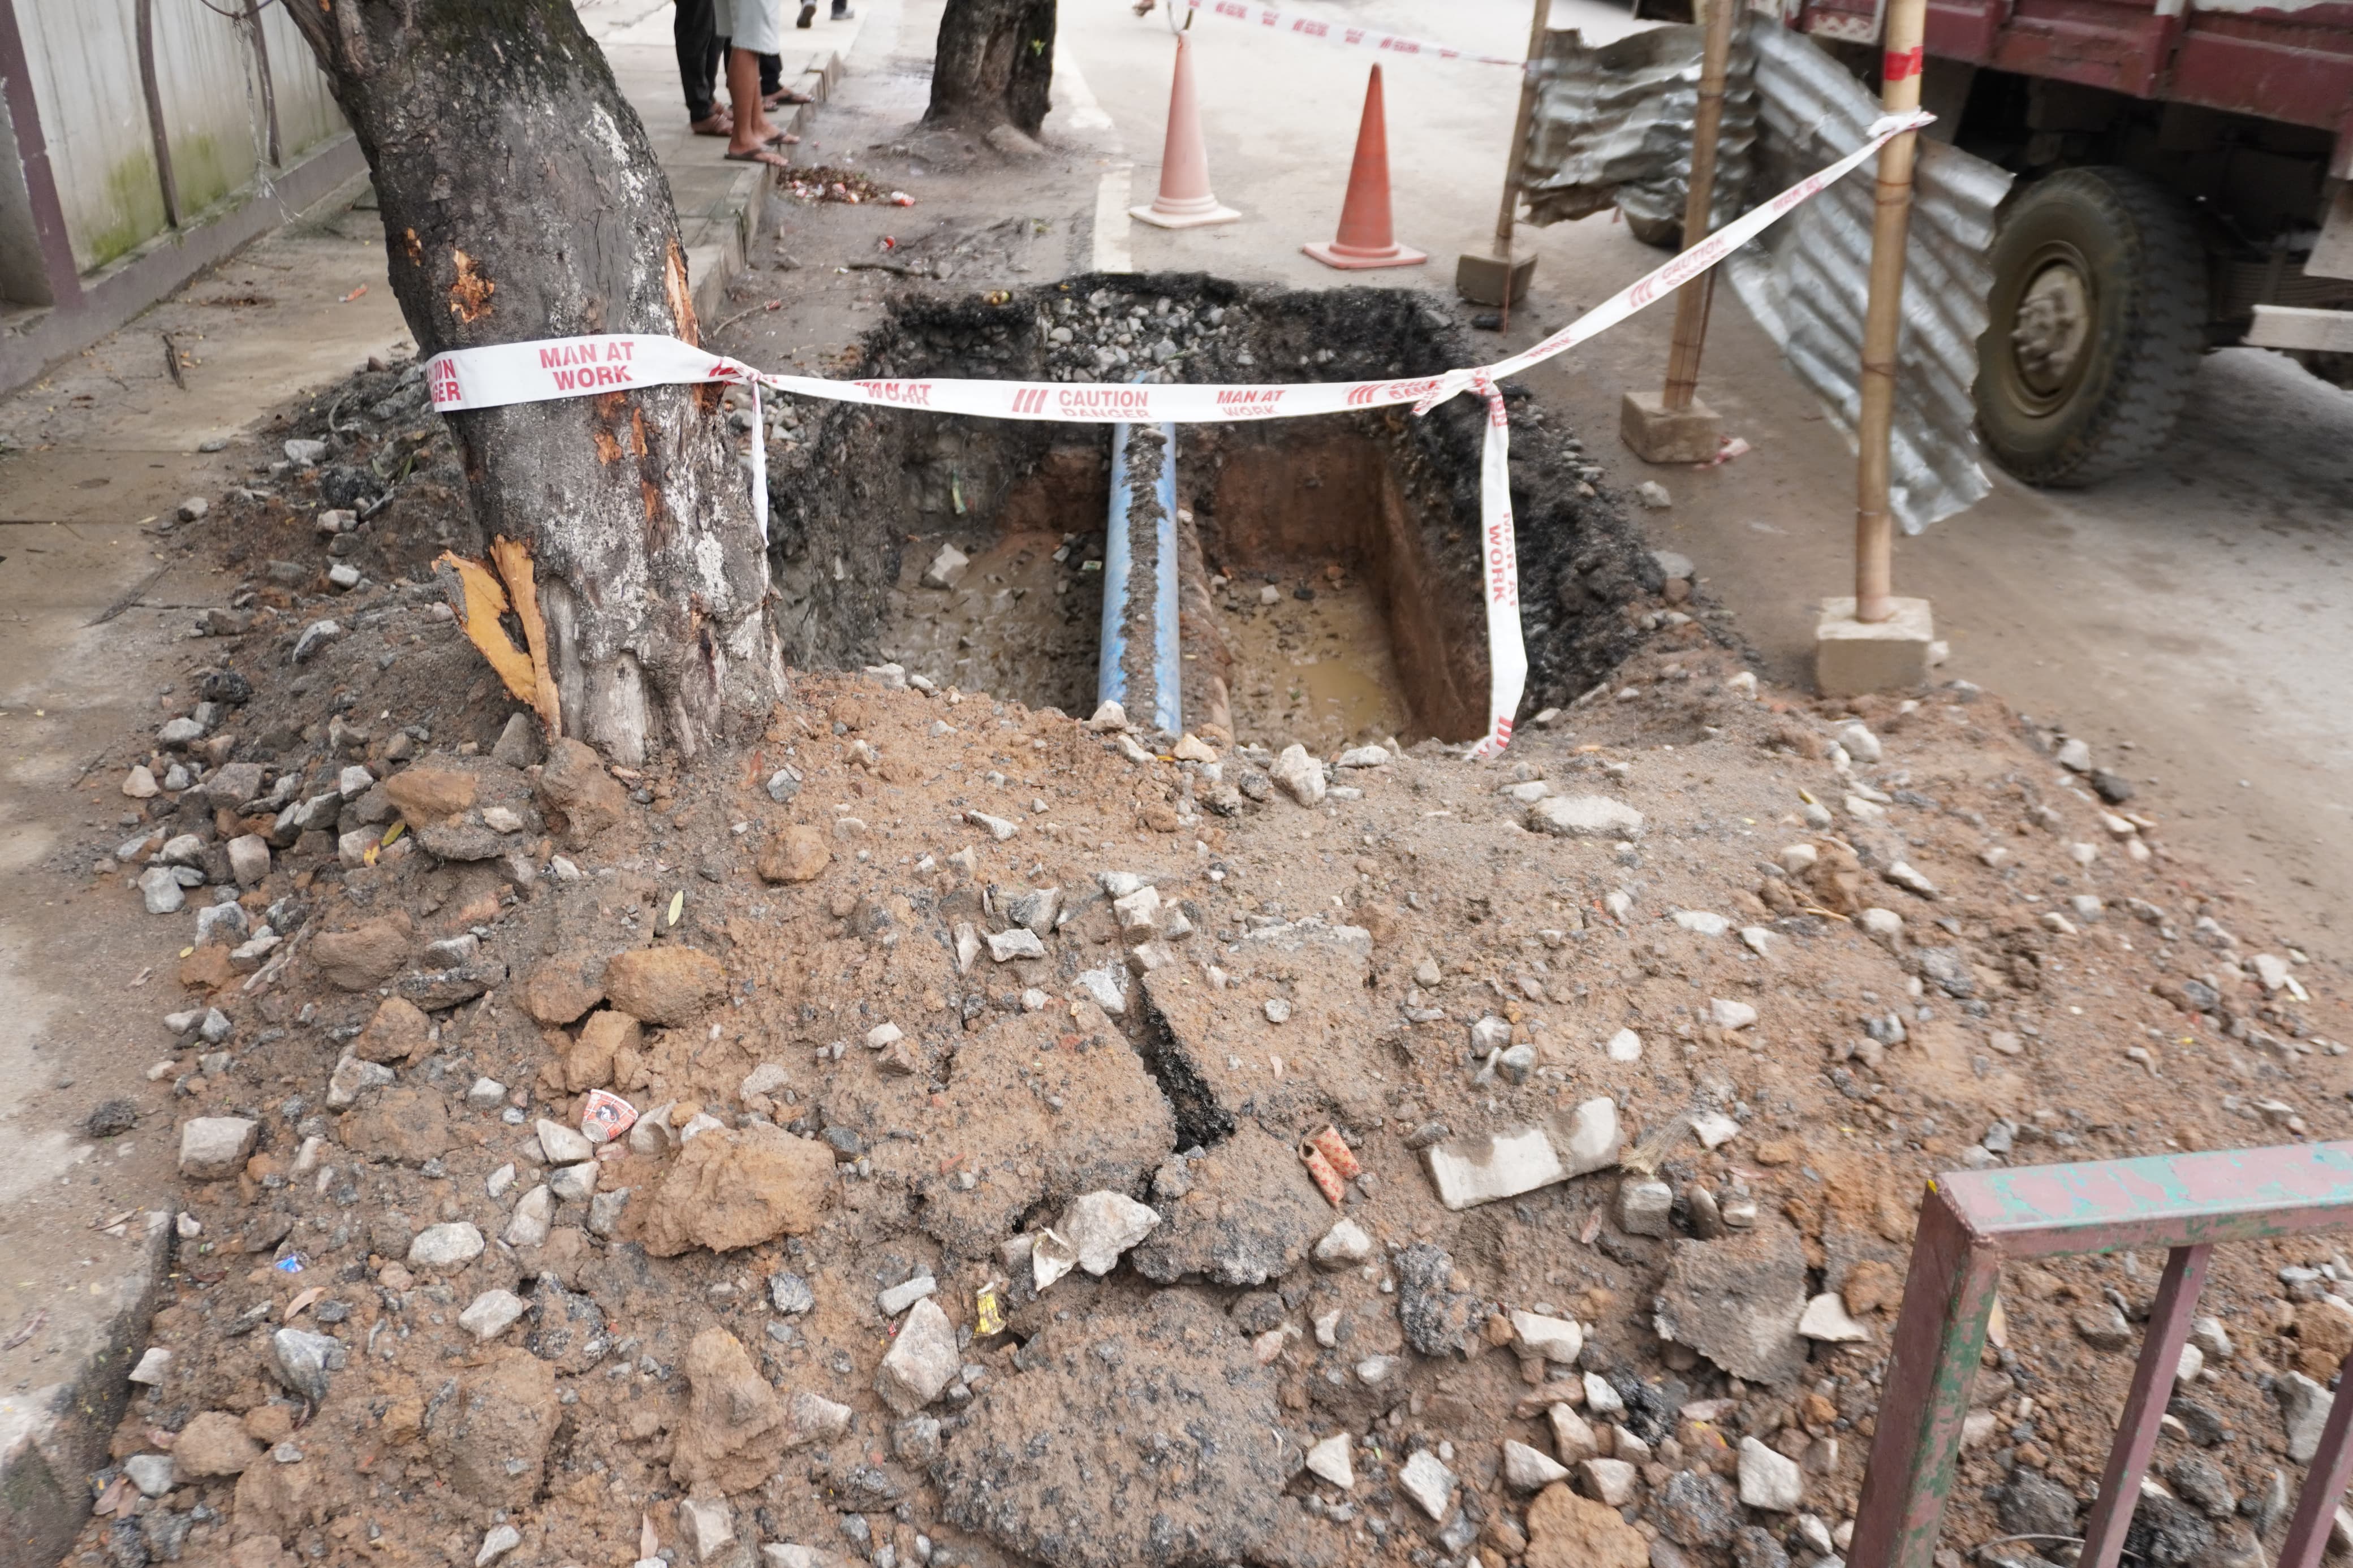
<point x="520" y="200"/>
<point x="994" y="64"/>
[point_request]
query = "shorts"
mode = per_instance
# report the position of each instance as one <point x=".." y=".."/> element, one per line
<point x="754" y="25"/>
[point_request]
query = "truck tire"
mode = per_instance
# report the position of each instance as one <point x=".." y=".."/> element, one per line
<point x="2094" y="327"/>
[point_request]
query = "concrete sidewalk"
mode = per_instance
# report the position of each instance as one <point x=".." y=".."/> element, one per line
<point x="97" y="596"/>
<point x="718" y="202"/>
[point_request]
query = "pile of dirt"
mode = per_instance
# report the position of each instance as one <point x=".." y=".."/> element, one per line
<point x="964" y="1218"/>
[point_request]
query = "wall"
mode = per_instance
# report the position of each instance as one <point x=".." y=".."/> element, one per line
<point x="107" y="203"/>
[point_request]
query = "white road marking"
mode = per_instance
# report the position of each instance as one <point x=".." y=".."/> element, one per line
<point x="1112" y="197"/>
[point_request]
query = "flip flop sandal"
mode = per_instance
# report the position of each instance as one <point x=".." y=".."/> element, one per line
<point x="785" y="95"/>
<point x="758" y="156"/>
<point x="714" y="125"/>
<point x="782" y="139"/>
<point x="808" y="14"/>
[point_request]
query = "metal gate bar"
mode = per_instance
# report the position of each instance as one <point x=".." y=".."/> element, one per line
<point x="1972" y="1222"/>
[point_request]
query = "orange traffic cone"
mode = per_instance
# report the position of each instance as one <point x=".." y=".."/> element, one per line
<point x="1364" y="239"/>
<point x="1184" y="201"/>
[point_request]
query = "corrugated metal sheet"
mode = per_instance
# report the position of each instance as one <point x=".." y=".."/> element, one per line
<point x="1805" y="279"/>
<point x="1612" y="126"/>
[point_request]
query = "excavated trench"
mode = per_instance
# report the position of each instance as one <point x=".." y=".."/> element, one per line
<point x="1328" y="570"/>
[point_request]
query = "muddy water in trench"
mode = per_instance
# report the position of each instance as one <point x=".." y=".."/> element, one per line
<point x="1320" y="671"/>
<point x="1023" y="624"/>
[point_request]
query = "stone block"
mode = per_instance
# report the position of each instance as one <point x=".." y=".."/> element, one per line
<point x="1851" y="657"/>
<point x="1656" y="433"/>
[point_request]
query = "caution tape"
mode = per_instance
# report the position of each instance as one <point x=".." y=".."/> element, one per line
<point x="543" y="371"/>
<point x="1341" y="33"/>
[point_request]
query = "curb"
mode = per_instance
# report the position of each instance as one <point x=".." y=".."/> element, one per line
<point x="53" y="1436"/>
<point x="725" y="245"/>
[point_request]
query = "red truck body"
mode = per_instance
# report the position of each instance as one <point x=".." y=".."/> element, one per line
<point x="2288" y="63"/>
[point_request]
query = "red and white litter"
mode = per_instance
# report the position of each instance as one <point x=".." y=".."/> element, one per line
<point x="462" y="380"/>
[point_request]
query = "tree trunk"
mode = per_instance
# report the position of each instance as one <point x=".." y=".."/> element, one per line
<point x="520" y="200"/>
<point x="994" y="64"/>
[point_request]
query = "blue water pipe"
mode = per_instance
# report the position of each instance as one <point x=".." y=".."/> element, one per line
<point x="1167" y="663"/>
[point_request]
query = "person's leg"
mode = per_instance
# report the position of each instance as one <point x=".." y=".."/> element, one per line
<point x="753" y="133"/>
<point x="808" y="13"/>
<point x="692" y="33"/>
<point x="772" y="90"/>
<point x="759" y="30"/>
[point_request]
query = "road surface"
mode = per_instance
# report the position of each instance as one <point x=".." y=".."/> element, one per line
<point x="2198" y="613"/>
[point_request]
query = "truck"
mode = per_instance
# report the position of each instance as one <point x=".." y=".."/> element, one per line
<point x="2182" y="185"/>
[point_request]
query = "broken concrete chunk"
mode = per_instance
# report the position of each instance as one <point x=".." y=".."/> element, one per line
<point x="1736" y="1300"/>
<point x="1106" y="988"/>
<point x="564" y="1145"/>
<point x="922" y="1360"/>
<point x="448" y="1246"/>
<point x="1554" y="1339"/>
<point x="1644" y="1205"/>
<point x="1300" y="775"/>
<point x="2304" y="1407"/>
<point x="948" y="568"/>
<point x="1428" y="1482"/>
<point x="302" y="1361"/>
<point x="214" y="1148"/>
<point x="491" y="1314"/>
<point x="1769" y="1480"/>
<point x="1102" y="1225"/>
<point x="1334" y="1460"/>
<point x="1345" y="1246"/>
<point x="1005" y="946"/>
<point x="1481" y="1169"/>
<point x="1729" y="1015"/>
<point x="1527" y="1471"/>
<point x="1825" y="1318"/>
<point x="1585" y="816"/>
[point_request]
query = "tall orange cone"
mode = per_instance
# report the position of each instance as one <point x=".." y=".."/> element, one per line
<point x="1184" y="201"/>
<point x="1364" y="239"/>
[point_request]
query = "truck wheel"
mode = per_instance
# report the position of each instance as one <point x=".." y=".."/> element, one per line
<point x="2094" y="329"/>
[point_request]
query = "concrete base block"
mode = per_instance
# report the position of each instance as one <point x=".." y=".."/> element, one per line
<point x="1484" y="279"/>
<point x="1661" y="434"/>
<point x="1851" y="657"/>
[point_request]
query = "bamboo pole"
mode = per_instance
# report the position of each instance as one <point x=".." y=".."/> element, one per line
<point x="1509" y="214"/>
<point x="1875" y="538"/>
<point x="1692" y="299"/>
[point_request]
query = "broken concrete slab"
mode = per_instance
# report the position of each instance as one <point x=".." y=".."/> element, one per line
<point x="1040" y="1108"/>
<point x="1156" y="1414"/>
<point x="1251" y="1215"/>
<point x="1738" y="1300"/>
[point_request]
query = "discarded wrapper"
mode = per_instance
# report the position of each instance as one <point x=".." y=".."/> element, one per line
<point x="606" y="1117"/>
<point x="989" y="1312"/>
<point x="289" y="1264"/>
<point x="1335" y="1148"/>
<point x="1319" y="1169"/>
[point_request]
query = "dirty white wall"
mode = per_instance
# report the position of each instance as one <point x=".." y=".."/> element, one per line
<point x="84" y="57"/>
